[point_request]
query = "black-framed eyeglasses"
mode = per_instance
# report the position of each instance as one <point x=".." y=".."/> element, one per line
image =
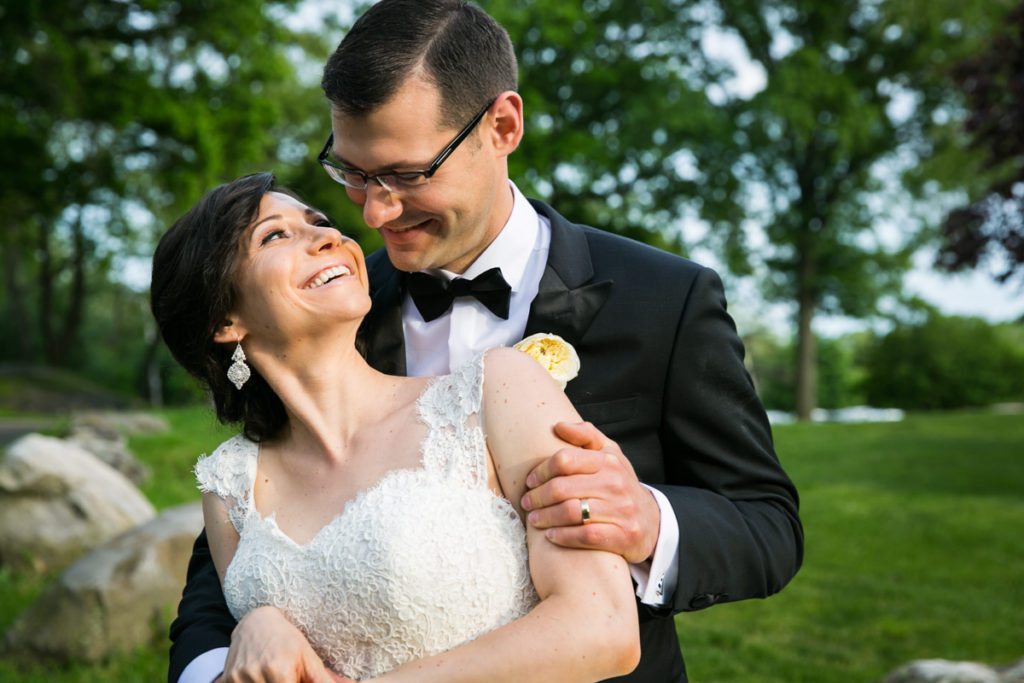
<point x="395" y="181"/>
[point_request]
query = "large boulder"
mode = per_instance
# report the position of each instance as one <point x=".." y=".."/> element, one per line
<point x="112" y="448"/>
<point x="114" y="599"/>
<point x="58" y="501"/>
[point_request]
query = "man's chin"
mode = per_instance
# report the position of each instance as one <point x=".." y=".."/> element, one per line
<point x="405" y="259"/>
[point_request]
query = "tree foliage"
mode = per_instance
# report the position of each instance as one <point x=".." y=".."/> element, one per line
<point x="616" y="112"/>
<point x="851" y="93"/>
<point x="634" y="125"/>
<point x="114" y="117"/>
<point x="946" y="362"/>
<point x="993" y="86"/>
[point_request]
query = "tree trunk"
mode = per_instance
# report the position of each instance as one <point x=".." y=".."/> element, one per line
<point x="150" y="380"/>
<point x="69" y="338"/>
<point x="806" y="374"/>
<point x="16" y="301"/>
<point x="45" y="279"/>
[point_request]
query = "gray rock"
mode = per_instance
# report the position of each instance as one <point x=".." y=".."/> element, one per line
<point x="943" y="671"/>
<point x="112" y="448"/>
<point x="58" y="501"/>
<point x="1013" y="674"/>
<point x="120" y="422"/>
<point x="114" y="599"/>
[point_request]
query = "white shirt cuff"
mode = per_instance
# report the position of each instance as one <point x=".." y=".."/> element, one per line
<point x="205" y="667"/>
<point x="656" y="577"/>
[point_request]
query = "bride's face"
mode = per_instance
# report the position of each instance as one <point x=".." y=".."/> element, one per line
<point x="297" y="275"/>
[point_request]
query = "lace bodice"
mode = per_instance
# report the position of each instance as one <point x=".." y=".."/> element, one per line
<point x="422" y="561"/>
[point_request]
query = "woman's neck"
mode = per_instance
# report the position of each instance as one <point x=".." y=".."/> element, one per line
<point x="329" y="392"/>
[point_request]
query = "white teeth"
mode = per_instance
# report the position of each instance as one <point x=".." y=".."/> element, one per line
<point x="326" y="276"/>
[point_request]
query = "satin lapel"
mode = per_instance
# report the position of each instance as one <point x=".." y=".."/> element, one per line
<point x="381" y="335"/>
<point x="564" y="304"/>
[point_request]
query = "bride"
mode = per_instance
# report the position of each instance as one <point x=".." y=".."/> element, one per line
<point x="380" y="514"/>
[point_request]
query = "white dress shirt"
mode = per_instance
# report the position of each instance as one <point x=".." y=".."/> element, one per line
<point x="468" y="328"/>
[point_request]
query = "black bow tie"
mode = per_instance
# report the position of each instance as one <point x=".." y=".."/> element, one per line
<point x="433" y="296"/>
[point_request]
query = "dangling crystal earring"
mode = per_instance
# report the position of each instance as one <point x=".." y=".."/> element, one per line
<point x="238" y="373"/>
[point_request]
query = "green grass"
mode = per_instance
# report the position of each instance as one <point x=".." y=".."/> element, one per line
<point x="171" y="455"/>
<point x="913" y="550"/>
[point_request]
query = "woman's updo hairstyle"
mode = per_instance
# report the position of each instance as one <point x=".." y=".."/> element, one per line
<point x="193" y="291"/>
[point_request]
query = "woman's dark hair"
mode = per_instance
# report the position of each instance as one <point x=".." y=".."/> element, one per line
<point x="193" y="292"/>
<point x="461" y="49"/>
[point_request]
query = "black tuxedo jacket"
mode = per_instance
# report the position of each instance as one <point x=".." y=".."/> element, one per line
<point x="662" y="374"/>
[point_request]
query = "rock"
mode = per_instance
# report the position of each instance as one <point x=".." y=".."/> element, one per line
<point x="120" y="422"/>
<point x="114" y="599"/>
<point x="943" y="671"/>
<point x="1014" y="674"/>
<point x="58" y="501"/>
<point x="112" y="448"/>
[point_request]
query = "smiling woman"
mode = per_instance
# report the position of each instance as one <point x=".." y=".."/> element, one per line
<point x="216" y="266"/>
<point x="306" y="510"/>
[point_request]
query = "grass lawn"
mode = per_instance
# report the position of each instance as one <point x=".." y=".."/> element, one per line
<point x="913" y="550"/>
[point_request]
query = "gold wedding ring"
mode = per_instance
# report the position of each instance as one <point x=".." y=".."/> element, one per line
<point x="584" y="510"/>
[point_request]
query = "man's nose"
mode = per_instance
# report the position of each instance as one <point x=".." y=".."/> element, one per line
<point x="380" y="206"/>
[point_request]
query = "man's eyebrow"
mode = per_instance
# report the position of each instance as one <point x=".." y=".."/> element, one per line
<point x="411" y="165"/>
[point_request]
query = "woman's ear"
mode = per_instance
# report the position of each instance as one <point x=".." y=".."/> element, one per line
<point x="229" y="332"/>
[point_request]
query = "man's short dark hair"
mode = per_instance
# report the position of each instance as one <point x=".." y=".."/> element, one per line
<point x="453" y="44"/>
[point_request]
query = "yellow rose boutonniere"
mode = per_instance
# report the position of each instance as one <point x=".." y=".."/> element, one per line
<point x="556" y="355"/>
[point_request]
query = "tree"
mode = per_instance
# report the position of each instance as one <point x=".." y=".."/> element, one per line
<point x="115" y="116"/>
<point x="993" y="87"/>
<point x="851" y="93"/>
<point x="632" y="128"/>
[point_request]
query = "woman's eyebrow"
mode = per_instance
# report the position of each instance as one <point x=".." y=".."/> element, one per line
<point x="257" y="224"/>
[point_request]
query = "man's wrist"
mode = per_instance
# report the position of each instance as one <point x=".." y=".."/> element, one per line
<point x="206" y="667"/>
<point x="656" y="577"/>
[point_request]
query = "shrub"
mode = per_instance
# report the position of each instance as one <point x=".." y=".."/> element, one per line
<point x="945" y="362"/>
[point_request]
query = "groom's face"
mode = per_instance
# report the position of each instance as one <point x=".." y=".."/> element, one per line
<point x="447" y="222"/>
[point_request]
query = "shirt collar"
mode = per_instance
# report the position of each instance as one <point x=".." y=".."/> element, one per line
<point x="511" y="249"/>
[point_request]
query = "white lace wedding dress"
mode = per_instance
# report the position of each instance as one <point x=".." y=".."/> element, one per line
<point x="426" y="559"/>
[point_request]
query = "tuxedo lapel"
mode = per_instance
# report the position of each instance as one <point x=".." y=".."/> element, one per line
<point x="380" y="335"/>
<point x="564" y="304"/>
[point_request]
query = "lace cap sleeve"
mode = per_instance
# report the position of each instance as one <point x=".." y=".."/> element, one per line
<point x="451" y="399"/>
<point x="229" y="471"/>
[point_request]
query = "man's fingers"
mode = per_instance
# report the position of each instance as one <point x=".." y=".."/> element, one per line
<point x="582" y="434"/>
<point x="566" y="513"/>
<point x="562" y="488"/>
<point x="565" y="462"/>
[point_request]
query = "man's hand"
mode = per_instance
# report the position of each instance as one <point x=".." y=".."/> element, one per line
<point x="267" y="648"/>
<point x="624" y="516"/>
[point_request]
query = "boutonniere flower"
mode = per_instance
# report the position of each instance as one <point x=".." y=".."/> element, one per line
<point x="556" y="355"/>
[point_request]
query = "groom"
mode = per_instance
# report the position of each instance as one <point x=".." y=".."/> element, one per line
<point x="424" y="115"/>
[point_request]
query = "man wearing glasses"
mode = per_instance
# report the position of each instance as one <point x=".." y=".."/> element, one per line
<point x="469" y="263"/>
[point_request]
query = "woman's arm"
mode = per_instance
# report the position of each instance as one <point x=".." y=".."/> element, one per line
<point x="585" y="626"/>
<point x="220" y="532"/>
